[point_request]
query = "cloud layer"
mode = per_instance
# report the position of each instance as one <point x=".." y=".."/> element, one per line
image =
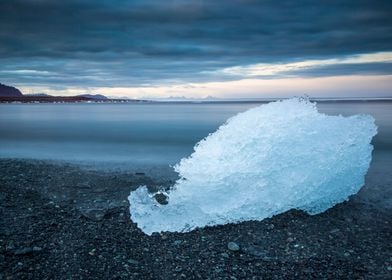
<point x="92" y="43"/>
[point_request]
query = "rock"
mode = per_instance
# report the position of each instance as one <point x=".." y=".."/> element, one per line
<point x="225" y="255"/>
<point x="83" y="185"/>
<point x="232" y="246"/>
<point x="308" y="270"/>
<point x="177" y="242"/>
<point x="335" y="230"/>
<point x="270" y="226"/>
<point x="37" y="249"/>
<point x="161" y="198"/>
<point x="256" y="250"/>
<point x="290" y="239"/>
<point x="27" y="250"/>
<point x="23" y="251"/>
<point x="10" y="246"/>
<point x="218" y="270"/>
<point x="94" y="214"/>
<point x="133" y="262"/>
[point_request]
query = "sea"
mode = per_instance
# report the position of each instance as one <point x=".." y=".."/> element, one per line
<point x="158" y="134"/>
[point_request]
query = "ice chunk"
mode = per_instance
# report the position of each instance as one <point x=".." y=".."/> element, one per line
<point x="272" y="158"/>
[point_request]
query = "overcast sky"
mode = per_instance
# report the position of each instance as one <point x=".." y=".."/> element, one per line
<point x="228" y="48"/>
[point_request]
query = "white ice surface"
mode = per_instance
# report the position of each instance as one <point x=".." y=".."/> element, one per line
<point x="276" y="157"/>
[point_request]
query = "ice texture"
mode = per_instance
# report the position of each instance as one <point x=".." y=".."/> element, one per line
<point x="276" y="157"/>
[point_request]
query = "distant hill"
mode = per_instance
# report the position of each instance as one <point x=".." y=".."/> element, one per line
<point x="38" y="94"/>
<point x="9" y="94"/>
<point x="184" y="98"/>
<point x="93" y="96"/>
<point x="8" y="91"/>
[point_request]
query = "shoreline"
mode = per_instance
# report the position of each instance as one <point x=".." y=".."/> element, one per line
<point x="60" y="221"/>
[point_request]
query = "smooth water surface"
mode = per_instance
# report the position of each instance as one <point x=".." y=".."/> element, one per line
<point x="147" y="133"/>
<point x="155" y="134"/>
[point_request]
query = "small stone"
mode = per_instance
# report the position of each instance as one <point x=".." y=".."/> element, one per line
<point x="290" y="239"/>
<point x="94" y="214"/>
<point x="178" y="269"/>
<point x="270" y="226"/>
<point x="218" y="270"/>
<point x="232" y="246"/>
<point x="177" y="242"/>
<point x="23" y="251"/>
<point x="389" y="268"/>
<point x="335" y="230"/>
<point x="10" y="246"/>
<point x="132" y="261"/>
<point x="161" y="198"/>
<point x="308" y="270"/>
<point x="37" y="249"/>
<point x="225" y="255"/>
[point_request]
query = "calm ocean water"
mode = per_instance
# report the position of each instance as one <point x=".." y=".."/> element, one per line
<point x="157" y="135"/>
<point x="129" y="134"/>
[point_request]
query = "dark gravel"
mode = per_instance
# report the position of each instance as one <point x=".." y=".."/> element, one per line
<point x="63" y="222"/>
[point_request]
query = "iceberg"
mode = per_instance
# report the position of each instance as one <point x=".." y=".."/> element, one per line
<point x="265" y="161"/>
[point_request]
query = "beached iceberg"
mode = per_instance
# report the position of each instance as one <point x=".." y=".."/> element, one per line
<point x="272" y="158"/>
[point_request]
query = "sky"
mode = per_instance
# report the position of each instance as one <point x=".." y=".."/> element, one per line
<point x="198" y="48"/>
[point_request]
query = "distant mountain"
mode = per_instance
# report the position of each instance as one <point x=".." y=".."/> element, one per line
<point x="93" y="96"/>
<point x="9" y="94"/>
<point x="38" y="94"/>
<point x="8" y="91"/>
<point x="183" y="98"/>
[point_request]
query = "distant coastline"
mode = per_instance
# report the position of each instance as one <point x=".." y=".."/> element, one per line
<point x="61" y="99"/>
<point x="10" y="94"/>
<point x="83" y="99"/>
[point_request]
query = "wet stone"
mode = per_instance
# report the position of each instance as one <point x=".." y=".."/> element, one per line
<point x="94" y="214"/>
<point x="232" y="246"/>
<point x="161" y="198"/>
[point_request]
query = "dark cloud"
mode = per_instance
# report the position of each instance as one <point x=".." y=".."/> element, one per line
<point x="129" y="43"/>
<point x="337" y="70"/>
